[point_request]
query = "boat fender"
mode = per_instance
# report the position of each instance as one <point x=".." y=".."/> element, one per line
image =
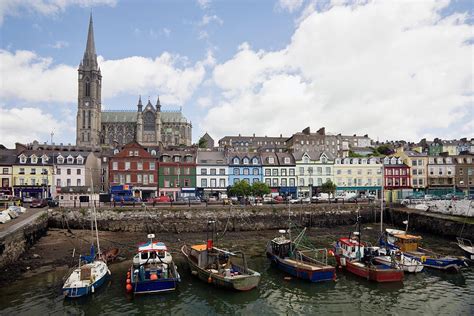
<point x="209" y="280"/>
<point x="93" y="289"/>
<point x="129" y="288"/>
<point x="129" y="281"/>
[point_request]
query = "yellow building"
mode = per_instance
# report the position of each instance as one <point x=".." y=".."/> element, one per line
<point x="358" y="175"/>
<point x="32" y="175"/>
<point x="418" y="163"/>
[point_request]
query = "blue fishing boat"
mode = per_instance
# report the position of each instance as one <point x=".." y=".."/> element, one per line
<point x="87" y="277"/>
<point x="300" y="261"/>
<point x="153" y="269"/>
<point x="409" y="245"/>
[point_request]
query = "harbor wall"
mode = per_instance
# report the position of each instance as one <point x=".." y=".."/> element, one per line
<point x="16" y="242"/>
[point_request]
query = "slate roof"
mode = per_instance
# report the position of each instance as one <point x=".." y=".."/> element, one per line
<point x="211" y="158"/>
<point x="131" y="117"/>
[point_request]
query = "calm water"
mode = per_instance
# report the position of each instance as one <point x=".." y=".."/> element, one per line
<point x="426" y="293"/>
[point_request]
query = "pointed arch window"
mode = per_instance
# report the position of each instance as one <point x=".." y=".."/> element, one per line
<point x="88" y="87"/>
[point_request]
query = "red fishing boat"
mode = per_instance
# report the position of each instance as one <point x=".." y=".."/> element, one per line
<point x="354" y="256"/>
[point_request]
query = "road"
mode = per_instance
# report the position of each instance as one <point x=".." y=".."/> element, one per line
<point x="26" y="218"/>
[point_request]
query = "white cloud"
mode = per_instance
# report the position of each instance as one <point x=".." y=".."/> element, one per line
<point x="204" y="102"/>
<point x="166" y="31"/>
<point x="45" y="7"/>
<point x="290" y="5"/>
<point x="388" y="68"/>
<point x="204" y="4"/>
<point x="36" y="79"/>
<point x="59" y="44"/>
<point x="207" y="19"/>
<point x="25" y="124"/>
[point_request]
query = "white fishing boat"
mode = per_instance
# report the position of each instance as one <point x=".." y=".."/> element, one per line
<point x="406" y="263"/>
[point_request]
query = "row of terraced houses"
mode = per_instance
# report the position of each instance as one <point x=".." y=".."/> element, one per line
<point x="42" y="171"/>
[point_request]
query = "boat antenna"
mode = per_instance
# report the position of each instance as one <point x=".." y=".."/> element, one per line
<point x="358" y="233"/>
<point x="95" y="217"/>
<point x="382" y="198"/>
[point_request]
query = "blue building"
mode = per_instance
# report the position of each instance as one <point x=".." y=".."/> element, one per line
<point x="244" y="167"/>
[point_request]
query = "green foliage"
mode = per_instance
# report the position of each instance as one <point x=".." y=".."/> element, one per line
<point x="383" y="150"/>
<point x="202" y="142"/>
<point x="355" y="155"/>
<point x="260" y="189"/>
<point x="241" y="188"/>
<point x="328" y="187"/>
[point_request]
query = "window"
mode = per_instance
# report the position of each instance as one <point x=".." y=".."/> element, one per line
<point x="292" y="182"/>
<point x="139" y="178"/>
<point x="246" y="171"/>
<point x="130" y="153"/>
<point x="203" y="183"/>
<point x="166" y="183"/>
<point x="68" y="171"/>
<point x="292" y="172"/>
<point x="34" y="159"/>
<point x="328" y="171"/>
<point x="128" y="178"/>
<point x="275" y="182"/>
<point x="255" y="161"/>
<point x="21" y="171"/>
<point x="22" y="159"/>
<point x="22" y="181"/>
<point x="286" y="160"/>
<point x="166" y="171"/>
<point x="78" y="182"/>
<point x="246" y="161"/>
<point x="222" y="183"/>
<point x="320" y="170"/>
<point x="256" y="172"/>
<point x="145" y="179"/>
<point x="151" y="177"/>
<point x="68" y="182"/>
<point x="33" y="171"/>
<point x="301" y="182"/>
<point x="139" y="165"/>
<point x="268" y="172"/>
<point x="80" y="160"/>
<point x="271" y="160"/>
<point x="268" y="182"/>
<point x="275" y="172"/>
<point x="58" y="182"/>
<point x="127" y="165"/>
<point x="320" y="181"/>
<point x="236" y="161"/>
<point x="153" y="152"/>
<point x="78" y="172"/>
<point x="236" y="171"/>
<point x="177" y="171"/>
<point x="213" y="171"/>
<point x="222" y="171"/>
<point x="283" y="182"/>
<point x="135" y="153"/>
<point x="213" y="183"/>
<point x="301" y="171"/>
<point x="203" y="171"/>
<point x="349" y="171"/>
<point x="115" y="165"/>
<point x="187" y="171"/>
<point x="236" y="181"/>
<point x="283" y="172"/>
<point x="310" y="181"/>
<point x="187" y="183"/>
<point x="70" y="160"/>
<point x="359" y="171"/>
<point x="176" y="158"/>
<point x="338" y="171"/>
<point x="152" y="166"/>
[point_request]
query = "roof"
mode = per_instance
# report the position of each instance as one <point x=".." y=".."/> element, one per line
<point x="313" y="154"/>
<point x="118" y="116"/>
<point x="149" y="246"/>
<point x="7" y="157"/>
<point x="211" y="158"/>
<point x="200" y="247"/>
<point x="407" y="237"/>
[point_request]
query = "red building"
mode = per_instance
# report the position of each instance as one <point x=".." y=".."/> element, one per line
<point x="135" y="166"/>
<point x="397" y="181"/>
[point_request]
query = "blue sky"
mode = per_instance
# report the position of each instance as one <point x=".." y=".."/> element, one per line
<point x="393" y="70"/>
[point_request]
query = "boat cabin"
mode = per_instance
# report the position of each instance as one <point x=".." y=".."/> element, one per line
<point x="350" y="248"/>
<point x="152" y="252"/>
<point x="407" y="243"/>
<point x="199" y="255"/>
<point x="281" y="247"/>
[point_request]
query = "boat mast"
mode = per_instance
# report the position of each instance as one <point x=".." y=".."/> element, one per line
<point x="95" y="216"/>
<point x="382" y="198"/>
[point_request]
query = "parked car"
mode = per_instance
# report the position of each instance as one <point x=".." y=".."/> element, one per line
<point x="306" y="200"/>
<point x="39" y="203"/>
<point x="267" y="199"/>
<point x="181" y="200"/>
<point x="278" y="199"/>
<point x="294" y="200"/>
<point x="161" y="199"/>
<point x="193" y="200"/>
<point x="52" y="202"/>
<point x="28" y="199"/>
<point x="321" y="197"/>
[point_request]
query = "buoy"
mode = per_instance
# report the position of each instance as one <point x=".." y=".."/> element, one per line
<point x="128" y="274"/>
<point x="153" y="277"/>
<point x="129" y="288"/>
<point x="209" y="280"/>
<point x="129" y="281"/>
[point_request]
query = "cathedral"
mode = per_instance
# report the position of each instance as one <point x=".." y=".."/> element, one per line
<point x="148" y="125"/>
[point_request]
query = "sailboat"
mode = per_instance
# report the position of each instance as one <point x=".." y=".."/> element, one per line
<point x="464" y="243"/>
<point x="91" y="272"/>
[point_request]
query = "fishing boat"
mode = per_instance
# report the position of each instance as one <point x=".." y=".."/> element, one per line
<point x="464" y="243"/>
<point x="153" y="269"/>
<point x="301" y="261"/>
<point x="220" y="267"/>
<point x="354" y="256"/>
<point x="91" y="272"/>
<point x="409" y="245"/>
<point x="407" y="264"/>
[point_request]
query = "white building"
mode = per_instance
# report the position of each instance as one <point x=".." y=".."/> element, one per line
<point x="313" y="169"/>
<point x="211" y="173"/>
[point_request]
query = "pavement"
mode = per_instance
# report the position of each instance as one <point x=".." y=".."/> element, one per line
<point x="24" y="219"/>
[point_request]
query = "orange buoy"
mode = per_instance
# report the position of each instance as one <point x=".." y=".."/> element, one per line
<point x="128" y="274"/>
<point x="129" y="281"/>
<point x="209" y="280"/>
<point x="153" y="277"/>
<point x="129" y="288"/>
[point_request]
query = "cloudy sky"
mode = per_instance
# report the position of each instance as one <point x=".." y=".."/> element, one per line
<point x="390" y="69"/>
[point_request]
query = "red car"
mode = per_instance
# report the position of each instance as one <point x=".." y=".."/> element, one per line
<point x="278" y="199"/>
<point x="161" y="199"/>
<point x="39" y="203"/>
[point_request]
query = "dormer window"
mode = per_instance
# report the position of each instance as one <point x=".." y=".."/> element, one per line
<point x="176" y="158"/>
<point x="60" y="159"/>
<point x="305" y="159"/>
<point x="44" y="159"/>
<point x="324" y="160"/>
<point x="236" y="161"/>
<point x="34" y="159"/>
<point x="271" y="160"/>
<point x="246" y="161"/>
<point x="80" y="160"/>
<point x="286" y="160"/>
<point x="153" y="152"/>
<point x="255" y="161"/>
<point x="116" y="151"/>
<point x="70" y="160"/>
<point x="22" y="159"/>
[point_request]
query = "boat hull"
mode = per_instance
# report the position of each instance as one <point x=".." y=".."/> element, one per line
<point x="157" y="286"/>
<point x="379" y="273"/>
<point x="411" y="268"/>
<point x="75" y="292"/>
<point x="243" y="283"/>
<point x="326" y="273"/>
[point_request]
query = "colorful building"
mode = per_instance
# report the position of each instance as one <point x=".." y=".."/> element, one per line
<point x="418" y="163"/>
<point x="313" y="169"/>
<point x="177" y="173"/>
<point x="279" y="173"/>
<point x="464" y="174"/>
<point x="7" y="160"/>
<point x="358" y="175"/>
<point x="244" y="167"/>
<point x="211" y="173"/>
<point x="441" y="175"/>
<point x="397" y="179"/>
<point x="32" y="174"/>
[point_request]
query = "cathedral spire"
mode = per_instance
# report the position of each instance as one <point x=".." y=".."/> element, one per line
<point x="140" y="105"/>
<point x="90" y="56"/>
<point x="158" y="104"/>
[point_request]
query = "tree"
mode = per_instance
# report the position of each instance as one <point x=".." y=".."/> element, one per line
<point x="202" y="142"/>
<point x="384" y="150"/>
<point x="328" y="187"/>
<point x="260" y="189"/>
<point x="241" y="188"/>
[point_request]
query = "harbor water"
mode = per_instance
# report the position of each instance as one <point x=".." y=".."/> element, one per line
<point x="427" y="293"/>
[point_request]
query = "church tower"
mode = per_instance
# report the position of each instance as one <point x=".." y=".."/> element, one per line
<point x="89" y="96"/>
